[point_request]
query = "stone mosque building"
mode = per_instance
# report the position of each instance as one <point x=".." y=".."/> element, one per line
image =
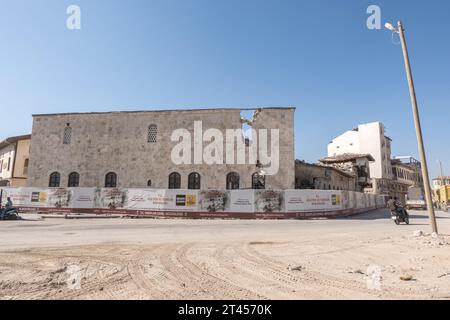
<point x="133" y="150"/>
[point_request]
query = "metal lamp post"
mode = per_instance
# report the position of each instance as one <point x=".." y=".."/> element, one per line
<point x="423" y="159"/>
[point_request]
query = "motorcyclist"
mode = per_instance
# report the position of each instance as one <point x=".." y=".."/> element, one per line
<point x="396" y="207"/>
<point x="9" y="204"/>
<point x="7" y="207"/>
<point x="9" y="212"/>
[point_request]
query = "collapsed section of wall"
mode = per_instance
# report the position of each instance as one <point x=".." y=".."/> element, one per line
<point x="246" y="204"/>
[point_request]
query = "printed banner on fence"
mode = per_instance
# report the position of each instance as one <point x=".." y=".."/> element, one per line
<point x="242" y="201"/>
<point x="360" y="200"/>
<point x="83" y="197"/>
<point x="262" y="201"/>
<point x="59" y="198"/>
<point x="214" y="200"/>
<point x="269" y="201"/>
<point x="161" y="199"/>
<point x="111" y="198"/>
<point x="313" y="200"/>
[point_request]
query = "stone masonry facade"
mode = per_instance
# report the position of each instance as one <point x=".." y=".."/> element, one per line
<point x="117" y="142"/>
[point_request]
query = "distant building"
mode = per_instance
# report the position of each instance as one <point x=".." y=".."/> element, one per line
<point x="369" y="139"/>
<point x="313" y="176"/>
<point x="407" y="173"/>
<point x="357" y="165"/>
<point x="407" y="170"/>
<point x="441" y="181"/>
<point x="14" y="160"/>
<point x="366" y="139"/>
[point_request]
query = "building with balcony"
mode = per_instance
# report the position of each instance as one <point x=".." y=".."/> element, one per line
<point x="320" y="177"/>
<point x="369" y="139"/>
<point x="408" y="171"/>
<point x="357" y="165"/>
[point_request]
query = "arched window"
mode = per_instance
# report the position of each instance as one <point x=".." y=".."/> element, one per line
<point x="232" y="181"/>
<point x="258" y="181"/>
<point x="111" y="180"/>
<point x="74" y="180"/>
<point x="174" y="180"/>
<point x="149" y="183"/>
<point x="54" y="180"/>
<point x="194" y="181"/>
<point x="152" y="133"/>
<point x="67" y="134"/>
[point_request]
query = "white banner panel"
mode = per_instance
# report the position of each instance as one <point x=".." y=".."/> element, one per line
<point x="83" y="198"/>
<point x="345" y="199"/>
<point x="242" y="201"/>
<point x="352" y="199"/>
<point x="269" y="201"/>
<point x="161" y="199"/>
<point x="312" y="200"/>
<point x="19" y="196"/>
<point x="37" y="197"/>
<point x="111" y="198"/>
<point x="360" y="200"/>
<point x="214" y="200"/>
<point x="59" y="197"/>
<point x="185" y="200"/>
<point x="27" y="197"/>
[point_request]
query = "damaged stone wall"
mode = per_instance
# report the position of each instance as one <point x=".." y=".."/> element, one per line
<point x="311" y="176"/>
<point x="118" y="142"/>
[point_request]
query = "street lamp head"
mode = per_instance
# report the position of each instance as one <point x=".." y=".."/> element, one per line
<point x="391" y="27"/>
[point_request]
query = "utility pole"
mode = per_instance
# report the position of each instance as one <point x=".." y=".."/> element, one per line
<point x="415" y="110"/>
<point x="442" y="174"/>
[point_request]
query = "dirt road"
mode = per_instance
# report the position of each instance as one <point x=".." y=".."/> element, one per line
<point x="363" y="257"/>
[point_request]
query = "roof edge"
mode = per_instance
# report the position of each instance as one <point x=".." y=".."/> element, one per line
<point x="160" y="111"/>
<point x="14" y="139"/>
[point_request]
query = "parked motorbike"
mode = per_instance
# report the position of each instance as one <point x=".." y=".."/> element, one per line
<point x="9" y="214"/>
<point x="400" y="216"/>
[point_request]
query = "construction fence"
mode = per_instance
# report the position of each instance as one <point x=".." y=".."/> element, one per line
<point x="245" y="204"/>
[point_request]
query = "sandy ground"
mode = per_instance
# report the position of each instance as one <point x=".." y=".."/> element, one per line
<point x="362" y="257"/>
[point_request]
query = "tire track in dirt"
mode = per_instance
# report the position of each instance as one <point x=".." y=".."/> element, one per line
<point x="196" y="282"/>
<point x="387" y="291"/>
<point x="255" y="275"/>
<point x="55" y="286"/>
<point x="336" y="285"/>
<point x="215" y="268"/>
<point x="292" y="283"/>
<point x="155" y="283"/>
<point x="318" y="282"/>
<point x="113" y="286"/>
<point x="105" y="286"/>
<point x="233" y="290"/>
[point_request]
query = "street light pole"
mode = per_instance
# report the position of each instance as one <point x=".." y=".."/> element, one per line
<point x="442" y="173"/>
<point x="415" y="110"/>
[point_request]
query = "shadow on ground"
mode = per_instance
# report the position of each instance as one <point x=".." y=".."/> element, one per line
<point x="385" y="214"/>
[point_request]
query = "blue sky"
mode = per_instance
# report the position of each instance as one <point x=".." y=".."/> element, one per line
<point x="318" y="56"/>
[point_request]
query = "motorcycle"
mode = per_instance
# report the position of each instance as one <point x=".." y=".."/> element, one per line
<point x="400" y="217"/>
<point x="9" y="214"/>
